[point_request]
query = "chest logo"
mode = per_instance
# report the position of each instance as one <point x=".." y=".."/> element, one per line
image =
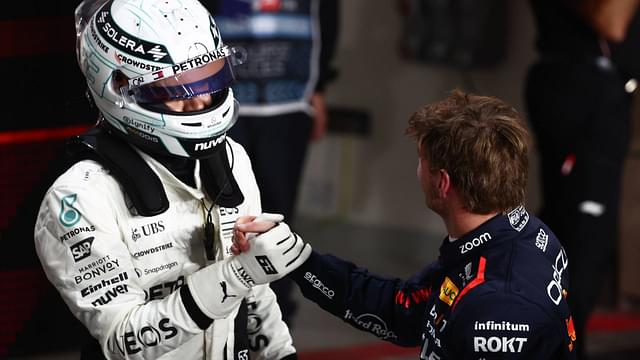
<point x="542" y="240"/>
<point x="69" y="215"/>
<point x="475" y="242"/>
<point x="518" y="218"/>
<point x="147" y="230"/>
<point x="448" y="291"/>
<point x="82" y="249"/>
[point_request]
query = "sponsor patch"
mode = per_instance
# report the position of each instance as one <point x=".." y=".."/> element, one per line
<point x="554" y="289"/>
<point x="266" y="265"/>
<point x="160" y="291"/>
<point x="491" y="325"/>
<point x="81" y="249"/>
<point x="209" y="144"/>
<point x="518" y="218"/>
<point x="467" y="275"/>
<point x="225" y="293"/>
<point x="96" y="269"/>
<point x="104" y="283"/>
<point x="142" y="134"/>
<point x="146" y="336"/>
<point x="448" y="291"/>
<point x="498" y="344"/>
<point x="110" y="295"/>
<point x="153" y="250"/>
<point x="371" y="323"/>
<point x="77" y="231"/>
<point x="541" y="240"/>
<point x="316" y="283"/>
<point x="69" y="215"/>
<point x="160" y="268"/>
<point x="435" y="325"/>
<point x="243" y="276"/>
<point x="475" y="242"/>
<point x="126" y="42"/>
<point x="195" y="62"/>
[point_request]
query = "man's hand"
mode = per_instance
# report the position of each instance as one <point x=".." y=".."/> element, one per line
<point x="249" y="226"/>
<point x="268" y="256"/>
<point x="320" y="117"/>
<point x="269" y="251"/>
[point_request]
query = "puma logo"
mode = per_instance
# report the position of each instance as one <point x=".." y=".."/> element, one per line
<point x="223" y="285"/>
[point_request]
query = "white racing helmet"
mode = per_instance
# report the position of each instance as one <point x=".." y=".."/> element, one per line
<point x="138" y="56"/>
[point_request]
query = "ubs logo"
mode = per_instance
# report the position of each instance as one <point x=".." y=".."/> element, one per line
<point x="147" y="230"/>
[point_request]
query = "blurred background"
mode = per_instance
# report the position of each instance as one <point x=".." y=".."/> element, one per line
<point x="359" y="197"/>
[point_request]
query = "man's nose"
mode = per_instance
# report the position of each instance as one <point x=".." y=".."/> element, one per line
<point x="197" y="103"/>
<point x="194" y="104"/>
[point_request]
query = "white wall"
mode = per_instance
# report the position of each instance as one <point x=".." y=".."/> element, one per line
<point x="372" y="180"/>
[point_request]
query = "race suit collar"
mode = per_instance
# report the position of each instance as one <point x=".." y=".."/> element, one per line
<point x="500" y="228"/>
<point x="171" y="179"/>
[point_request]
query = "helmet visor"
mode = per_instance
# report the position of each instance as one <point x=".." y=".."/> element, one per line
<point x="215" y="76"/>
<point x="182" y="81"/>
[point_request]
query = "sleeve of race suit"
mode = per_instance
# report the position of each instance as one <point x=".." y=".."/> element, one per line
<point x="390" y="309"/>
<point x="82" y="251"/>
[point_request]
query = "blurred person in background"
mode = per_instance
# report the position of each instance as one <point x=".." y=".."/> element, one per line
<point x="136" y="233"/>
<point x="498" y="289"/>
<point x="290" y="45"/>
<point x="579" y="99"/>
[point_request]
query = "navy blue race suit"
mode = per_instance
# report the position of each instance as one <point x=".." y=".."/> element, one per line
<point x="499" y="292"/>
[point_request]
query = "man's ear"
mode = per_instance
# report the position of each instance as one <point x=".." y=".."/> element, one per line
<point x="444" y="183"/>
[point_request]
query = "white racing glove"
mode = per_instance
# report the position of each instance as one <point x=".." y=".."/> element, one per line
<point x="217" y="288"/>
<point x="272" y="255"/>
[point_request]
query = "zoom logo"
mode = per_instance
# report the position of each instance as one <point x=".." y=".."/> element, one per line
<point x="475" y="242"/>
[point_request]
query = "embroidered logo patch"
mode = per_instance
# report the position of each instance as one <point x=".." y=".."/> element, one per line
<point x="448" y="291"/>
<point x="69" y="215"/>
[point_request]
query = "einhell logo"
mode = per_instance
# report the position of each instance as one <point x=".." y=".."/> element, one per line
<point x="104" y="283"/>
<point x="82" y="249"/>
